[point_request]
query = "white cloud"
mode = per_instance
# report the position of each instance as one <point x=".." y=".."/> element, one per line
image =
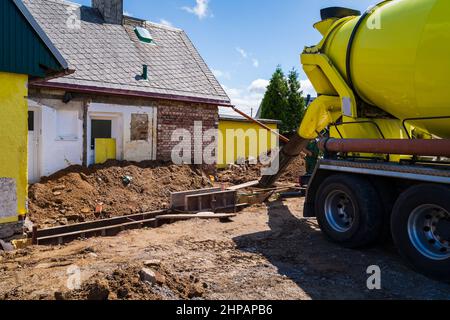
<point x="166" y="23"/>
<point x="245" y="55"/>
<point x="242" y="52"/>
<point x="307" y="88"/>
<point x="248" y="99"/>
<point x="126" y="13"/>
<point x="201" y="9"/>
<point x="221" y="74"/>
<point x="259" y="86"/>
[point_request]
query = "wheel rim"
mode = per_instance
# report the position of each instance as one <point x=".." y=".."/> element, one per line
<point x="339" y="211"/>
<point x="428" y="228"/>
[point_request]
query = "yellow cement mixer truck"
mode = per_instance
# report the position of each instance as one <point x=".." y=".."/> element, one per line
<point x="382" y="120"/>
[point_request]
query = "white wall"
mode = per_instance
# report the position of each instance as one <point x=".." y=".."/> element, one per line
<point x="61" y="135"/>
<point x="60" y="142"/>
<point x="121" y="131"/>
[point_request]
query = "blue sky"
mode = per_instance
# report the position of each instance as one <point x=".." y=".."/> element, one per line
<point x="243" y="41"/>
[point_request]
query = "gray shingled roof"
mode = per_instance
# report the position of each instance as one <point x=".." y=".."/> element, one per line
<point x="110" y="56"/>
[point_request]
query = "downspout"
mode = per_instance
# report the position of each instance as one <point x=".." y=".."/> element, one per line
<point x="85" y="133"/>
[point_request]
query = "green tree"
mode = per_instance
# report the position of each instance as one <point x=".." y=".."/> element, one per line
<point x="283" y="101"/>
<point x="296" y="102"/>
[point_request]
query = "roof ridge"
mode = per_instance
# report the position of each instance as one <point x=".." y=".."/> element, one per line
<point x="163" y="26"/>
<point x="111" y="56"/>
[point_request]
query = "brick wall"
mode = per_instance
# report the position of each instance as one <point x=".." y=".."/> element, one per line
<point x="177" y="115"/>
<point x="171" y="115"/>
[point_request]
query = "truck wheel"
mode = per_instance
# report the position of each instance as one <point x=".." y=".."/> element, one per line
<point x="349" y="211"/>
<point x="421" y="229"/>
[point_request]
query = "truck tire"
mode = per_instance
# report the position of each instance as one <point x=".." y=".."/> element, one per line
<point x="420" y="226"/>
<point x="349" y="211"/>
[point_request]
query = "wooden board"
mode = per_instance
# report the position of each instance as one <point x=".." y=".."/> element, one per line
<point x="210" y="201"/>
<point x="244" y="185"/>
<point x="195" y="216"/>
<point x="177" y="199"/>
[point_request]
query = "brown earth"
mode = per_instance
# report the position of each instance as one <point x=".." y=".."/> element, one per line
<point x="267" y="252"/>
<point x="73" y="194"/>
<point x="125" y="283"/>
<point x="238" y="174"/>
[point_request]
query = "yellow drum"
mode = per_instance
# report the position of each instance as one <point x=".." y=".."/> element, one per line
<point x="399" y="59"/>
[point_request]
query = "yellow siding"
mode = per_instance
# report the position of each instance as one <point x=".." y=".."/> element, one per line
<point x="105" y="149"/>
<point x="14" y="136"/>
<point x="238" y="139"/>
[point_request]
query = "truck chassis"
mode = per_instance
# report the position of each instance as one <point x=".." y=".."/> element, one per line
<point x="361" y="202"/>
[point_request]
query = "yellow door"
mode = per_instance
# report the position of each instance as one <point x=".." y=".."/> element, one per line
<point x="105" y="149"/>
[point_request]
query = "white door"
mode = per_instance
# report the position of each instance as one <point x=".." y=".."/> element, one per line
<point x="33" y="146"/>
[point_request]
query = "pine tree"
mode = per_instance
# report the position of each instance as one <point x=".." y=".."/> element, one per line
<point x="283" y="101"/>
<point x="296" y="102"/>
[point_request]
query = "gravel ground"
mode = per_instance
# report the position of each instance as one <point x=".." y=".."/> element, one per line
<point x="266" y="252"/>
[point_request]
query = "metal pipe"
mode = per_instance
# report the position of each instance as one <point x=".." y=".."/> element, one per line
<point x="417" y="147"/>
<point x="285" y="156"/>
<point x="282" y="138"/>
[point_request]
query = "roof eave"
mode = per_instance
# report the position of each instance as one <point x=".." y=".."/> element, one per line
<point x="37" y="28"/>
<point x="128" y="93"/>
<point x="51" y="75"/>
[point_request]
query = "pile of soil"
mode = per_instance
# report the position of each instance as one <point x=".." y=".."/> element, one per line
<point x="125" y="284"/>
<point x="239" y="174"/>
<point x="118" y="188"/>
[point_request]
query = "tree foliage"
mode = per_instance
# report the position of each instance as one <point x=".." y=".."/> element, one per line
<point x="283" y="100"/>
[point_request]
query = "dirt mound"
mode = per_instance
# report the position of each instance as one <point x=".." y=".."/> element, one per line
<point x="76" y="194"/>
<point x="125" y="284"/>
<point x="238" y="174"/>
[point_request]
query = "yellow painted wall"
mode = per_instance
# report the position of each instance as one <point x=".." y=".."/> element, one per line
<point x="14" y="136"/>
<point x="238" y="139"/>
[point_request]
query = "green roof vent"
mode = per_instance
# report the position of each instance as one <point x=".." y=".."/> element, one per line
<point x="143" y="35"/>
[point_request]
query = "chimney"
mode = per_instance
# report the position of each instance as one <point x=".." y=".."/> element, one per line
<point x="111" y="10"/>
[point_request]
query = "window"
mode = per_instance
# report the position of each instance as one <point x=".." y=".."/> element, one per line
<point x="30" y="120"/>
<point x="139" y="127"/>
<point x="143" y="35"/>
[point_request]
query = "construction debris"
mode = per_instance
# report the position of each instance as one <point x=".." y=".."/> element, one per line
<point x="5" y="246"/>
<point x="206" y="215"/>
<point x="249" y="173"/>
<point x="148" y="276"/>
<point x="205" y="199"/>
<point x="88" y="194"/>
<point x="135" y="283"/>
<point x="113" y="226"/>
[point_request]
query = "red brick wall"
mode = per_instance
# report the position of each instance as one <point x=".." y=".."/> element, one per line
<point x="176" y="115"/>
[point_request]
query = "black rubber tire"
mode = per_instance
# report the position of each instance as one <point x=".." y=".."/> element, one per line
<point x="388" y="195"/>
<point x="408" y="201"/>
<point x="368" y="220"/>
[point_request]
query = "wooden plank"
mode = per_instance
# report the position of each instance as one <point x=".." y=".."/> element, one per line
<point x="244" y="185"/>
<point x="210" y="201"/>
<point x="103" y="230"/>
<point x="177" y="199"/>
<point x="195" y="216"/>
<point x="99" y="223"/>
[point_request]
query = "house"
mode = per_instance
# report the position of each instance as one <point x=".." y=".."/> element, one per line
<point x="241" y="139"/>
<point x="26" y="54"/>
<point x="135" y="82"/>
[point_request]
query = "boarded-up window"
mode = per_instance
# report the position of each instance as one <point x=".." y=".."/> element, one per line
<point x="139" y="127"/>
